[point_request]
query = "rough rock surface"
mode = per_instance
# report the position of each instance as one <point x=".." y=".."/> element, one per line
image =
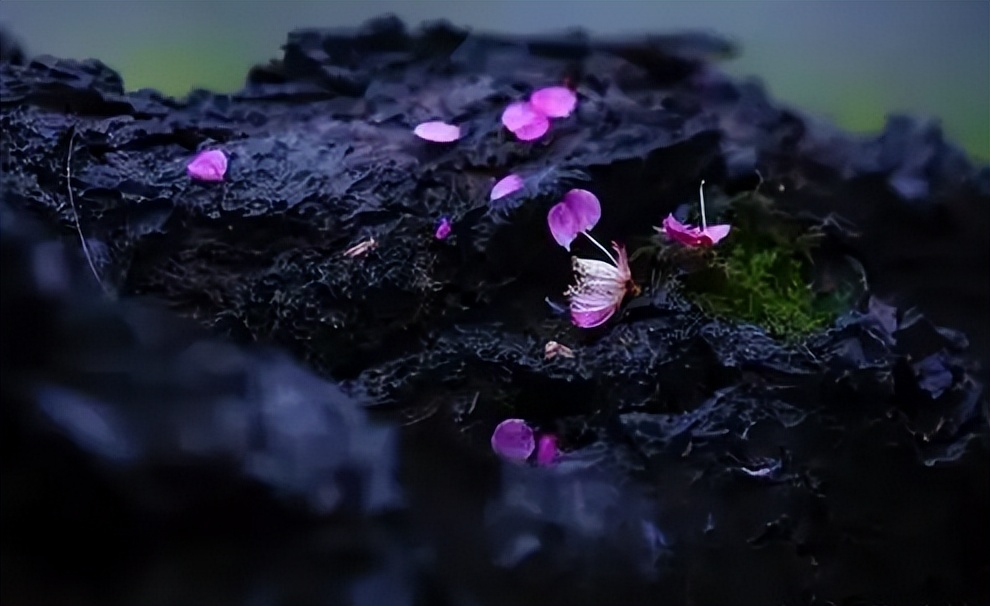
<point x="703" y="461"/>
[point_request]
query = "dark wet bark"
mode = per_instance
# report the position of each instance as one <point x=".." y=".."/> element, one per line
<point x="706" y="462"/>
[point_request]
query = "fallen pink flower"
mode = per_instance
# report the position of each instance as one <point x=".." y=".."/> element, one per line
<point x="438" y="132"/>
<point x="505" y="186"/>
<point x="525" y="122"/>
<point x="209" y="165"/>
<point x="578" y="211"/>
<point x="554" y="101"/>
<point x="600" y="287"/>
<point x="546" y="450"/>
<point x="443" y="229"/>
<point x="689" y="235"/>
<point x="513" y="439"/>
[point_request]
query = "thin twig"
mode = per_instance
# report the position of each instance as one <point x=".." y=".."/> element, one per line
<point x="75" y="214"/>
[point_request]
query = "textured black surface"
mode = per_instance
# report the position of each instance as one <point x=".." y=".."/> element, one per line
<point x="705" y="462"/>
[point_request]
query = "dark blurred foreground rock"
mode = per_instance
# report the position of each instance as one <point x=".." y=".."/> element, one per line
<point x="704" y="462"/>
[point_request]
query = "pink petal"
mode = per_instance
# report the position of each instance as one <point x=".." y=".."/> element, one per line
<point x="593" y="318"/>
<point x="554" y="101"/>
<point x="208" y="166"/>
<point x="685" y="234"/>
<point x="438" y="132"/>
<point x="714" y="233"/>
<point x="524" y="121"/>
<point x="507" y="185"/>
<point x="546" y="451"/>
<point x="578" y="211"/>
<point x="443" y="229"/>
<point x="513" y="439"/>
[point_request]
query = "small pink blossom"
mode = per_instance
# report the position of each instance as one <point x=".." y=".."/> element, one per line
<point x="689" y="235"/>
<point x="546" y="450"/>
<point x="600" y="287"/>
<point x="506" y="185"/>
<point x="554" y="101"/>
<point x="577" y="212"/>
<point x="525" y="122"/>
<point x="443" y="229"/>
<point x="208" y="165"/>
<point x="513" y="439"/>
<point x="438" y="132"/>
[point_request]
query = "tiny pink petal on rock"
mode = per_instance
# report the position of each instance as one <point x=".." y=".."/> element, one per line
<point x="554" y="101"/>
<point x="443" y="229"/>
<point x="546" y="451"/>
<point x="525" y="122"/>
<point x="208" y="166"/>
<point x="578" y="211"/>
<point x="438" y="132"/>
<point x="685" y="234"/>
<point x="690" y="235"/>
<point x="507" y="185"/>
<point x="513" y="439"/>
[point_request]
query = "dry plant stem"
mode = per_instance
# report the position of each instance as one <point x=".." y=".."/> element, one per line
<point x="75" y="215"/>
<point x="614" y="262"/>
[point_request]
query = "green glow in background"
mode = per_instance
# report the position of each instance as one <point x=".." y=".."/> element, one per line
<point x="853" y="62"/>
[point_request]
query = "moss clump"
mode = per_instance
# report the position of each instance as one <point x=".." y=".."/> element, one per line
<point x="764" y="273"/>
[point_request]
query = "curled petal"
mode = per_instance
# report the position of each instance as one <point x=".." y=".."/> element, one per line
<point x="578" y="211"/>
<point x="690" y="235"/>
<point x="438" y="132"/>
<point x="554" y="101"/>
<point x="513" y="439"/>
<point x="208" y="166"/>
<point x="507" y="185"/>
<point x="594" y="317"/>
<point x="443" y="229"/>
<point x="599" y="290"/>
<point x="714" y="233"/>
<point x="525" y="122"/>
<point x="546" y="451"/>
<point x="685" y="234"/>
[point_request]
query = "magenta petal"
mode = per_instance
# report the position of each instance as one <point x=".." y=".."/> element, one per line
<point x="438" y="132"/>
<point x="546" y="451"/>
<point x="578" y="211"/>
<point x="554" y="101"/>
<point x="208" y="166"/>
<point x="593" y="318"/>
<point x="716" y="233"/>
<point x="524" y="121"/>
<point x="443" y="229"/>
<point x="513" y="439"/>
<point x="507" y="185"/>
<point x="563" y="225"/>
<point x="685" y="234"/>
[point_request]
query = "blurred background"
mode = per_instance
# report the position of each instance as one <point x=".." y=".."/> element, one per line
<point x="853" y="62"/>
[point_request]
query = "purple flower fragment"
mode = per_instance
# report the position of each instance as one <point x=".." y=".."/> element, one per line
<point x="513" y="439"/>
<point x="208" y="166"/>
<point x="530" y="120"/>
<point x="507" y="185"/>
<point x="554" y="101"/>
<point x="443" y="229"/>
<point x="546" y="450"/>
<point x="689" y="235"/>
<point x="438" y="132"/>
<point x="525" y="121"/>
<point x="577" y="212"/>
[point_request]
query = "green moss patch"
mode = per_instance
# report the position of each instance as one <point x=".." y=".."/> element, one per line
<point x="770" y="271"/>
